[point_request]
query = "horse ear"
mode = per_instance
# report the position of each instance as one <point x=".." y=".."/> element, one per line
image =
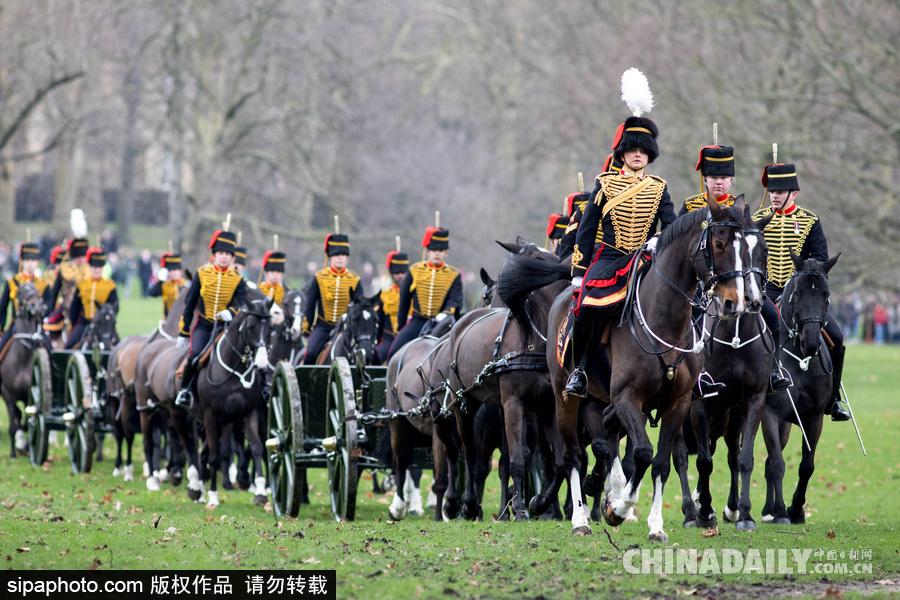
<point x="795" y="258"/>
<point x="508" y="247"/>
<point x="831" y="262"/>
<point x="740" y="204"/>
<point x="486" y="279"/>
<point x="764" y="222"/>
<point x="713" y="205"/>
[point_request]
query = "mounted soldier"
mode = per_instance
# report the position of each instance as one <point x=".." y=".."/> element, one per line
<point x="798" y="229"/>
<point x="170" y="280"/>
<point x="72" y="270"/>
<point x="388" y="304"/>
<point x="273" y="276"/>
<point x="626" y="206"/>
<point x="219" y="292"/>
<point x="56" y="257"/>
<point x="329" y="295"/>
<point x="556" y="229"/>
<point x="29" y="255"/>
<point x="431" y="289"/>
<point x="90" y="294"/>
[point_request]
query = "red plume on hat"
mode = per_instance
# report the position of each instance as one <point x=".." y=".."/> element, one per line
<point x="162" y="259"/>
<point x="215" y="236"/>
<point x="429" y="231"/>
<point x="56" y="254"/>
<point x="551" y="224"/>
<point x="266" y="257"/>
<point x="390" y="256"/>
<point x="327" y="237"/>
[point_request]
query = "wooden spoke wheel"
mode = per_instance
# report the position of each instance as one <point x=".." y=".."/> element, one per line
<point x="285" y="438"/>
<point x="40" y="396"/>
<point x="80" y="417"/>
<point x="342" y="458"/>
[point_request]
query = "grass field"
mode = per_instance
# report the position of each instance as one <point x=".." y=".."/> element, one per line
<point x="52" y="519"/>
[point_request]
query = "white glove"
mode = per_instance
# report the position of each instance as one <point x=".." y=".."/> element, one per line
<point x="577" y="281"/>
<point x="440" y="317"/>
<point x="651" y="244"/>
<point x="225" y="315"/>
<point x="162" y="274"/>
<point x="181" y="342"/>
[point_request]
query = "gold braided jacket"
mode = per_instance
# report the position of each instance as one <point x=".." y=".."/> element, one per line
<point x="699" y="201"/>
<point x="430" y="286"/>
<point x="786" y="231"/>
<point x="390" y="302"/>
<point x="217" y="289"/>
<point x="631" y="203"/>
<point x="273" y="292"/>
<point x="93" y="292"/>
<point x="170" y="291"/>
<point x="335" y="292"/>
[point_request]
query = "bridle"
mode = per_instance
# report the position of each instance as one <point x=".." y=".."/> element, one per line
<point x="248" y="376"/>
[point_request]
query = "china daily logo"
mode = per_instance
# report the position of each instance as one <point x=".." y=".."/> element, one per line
<point x="795" y="561"/>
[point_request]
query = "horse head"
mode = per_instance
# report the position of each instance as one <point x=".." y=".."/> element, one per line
<point x="292" y="304"/>
<point x="806" y="301"/>
<point x="487" y="292"/>
<point x="101" y="332"/>
<point x="249" y="329"/>
<point x="719" y="248"/>
<point x="30" y="305"/>
<point x="359" y="328"/>
<point x="755" y="264"/>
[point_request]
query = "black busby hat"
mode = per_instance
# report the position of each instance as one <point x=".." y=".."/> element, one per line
<point x="397" y="262"/>
<point x="170" y="260"/>
<point x="576" y="201"/>
<point x="716" y="161"/>
<point x="77" y="248"/>
<point x="780" y="177"/>
<point x="96" y="257"/>
<point x="29" y="251"/>
<point x="436" y="238"/>
<point x="240" y="255"/>
<point x="57" y="254"/>
<point x="556" y="226"/>
<point x="223" y="241"/>
<point x="337" y="243"/>
<point x="273" y="260"/>
<point x="638" y="132"/>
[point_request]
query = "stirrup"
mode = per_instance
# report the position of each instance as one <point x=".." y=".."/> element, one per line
<point x="708" y="386"/>
<point x="576" y="384"/>
<point x="184" y="399"/>
<point x="778" y="381"/>
<point x="837" y="411"/>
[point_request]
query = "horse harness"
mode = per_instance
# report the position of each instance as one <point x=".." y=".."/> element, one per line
<point x="793" y="328"/>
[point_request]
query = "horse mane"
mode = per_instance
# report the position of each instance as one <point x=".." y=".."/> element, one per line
<point x="519" y="278"/>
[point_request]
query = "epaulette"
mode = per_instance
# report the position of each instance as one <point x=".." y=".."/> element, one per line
<point x="763" y="212"/>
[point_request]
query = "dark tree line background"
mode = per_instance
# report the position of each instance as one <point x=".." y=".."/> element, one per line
<point x="286" y="113"/>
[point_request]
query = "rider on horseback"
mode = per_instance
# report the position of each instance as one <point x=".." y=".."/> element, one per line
<point x="90" y="293"/>
<point x="716" y="166"/>
<point x="626" y="205"/>
<point x="170" y="282"/>
<point x="388" y="303"/>
<point x="556" y="229"/>
<point x="329" y="295"/>
<point x="576" y="204"/>
<point x="799" y="229"/>
<point x="29" y="254"/>
<point x="219" y="291"/>
<point x="273" y="272"/>
<point x="431" y="288"/>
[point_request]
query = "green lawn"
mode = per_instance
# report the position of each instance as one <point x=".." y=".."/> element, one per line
<point x="50" y="518"/>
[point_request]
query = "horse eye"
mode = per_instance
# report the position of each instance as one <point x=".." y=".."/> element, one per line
<point x="720" y="245"/>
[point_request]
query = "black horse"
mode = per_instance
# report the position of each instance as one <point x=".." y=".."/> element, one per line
<point x="804" y="304"/>
<point x="739" y="355"/>
<point x="653" y="356"/>
<point x="101" y="332"/>
<point x="355" y="333"/>
<point x="229" y="395"/>
<point x="15" y="364"/>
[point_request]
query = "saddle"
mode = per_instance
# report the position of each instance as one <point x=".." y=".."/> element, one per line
<point x="202" y="359"/>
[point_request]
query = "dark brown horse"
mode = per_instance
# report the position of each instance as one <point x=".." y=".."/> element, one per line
<point x="739" y="355"/>
<point x="120" y="398"/>
<point x="16" y="363"/>
<point x="804" y="304"/>
<point x="653" y="355"/>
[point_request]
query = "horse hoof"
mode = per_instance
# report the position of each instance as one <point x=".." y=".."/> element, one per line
<point x="194" y="495"/>
<point x="731" y="516"/>
<point x="152" y="484"/>
<point x="128" y="472"/>
<point x="213" y="499"/>
<point x="470" y="512"/>
<point x="592" y="485"/>
<point x="260" y="500"/>
<point x="609" y="514"/>
<point x="748" y="525"/>
<point x="583" y="530"/>
<point x="175" y="478"/>
<point x="660" y="537"/>
<point x="118" y="472"/>
<point x="707" y="523"/>
<point x="630" y="518"/>
<point x="690" y="524"/>
<point x="797" y="517"/>
<point x="782" y="521"/>
<point x="227" y="485"/>
<point x="450" y="510"/>
<point x="536" y="507"/>
<point x="768" y="518"/>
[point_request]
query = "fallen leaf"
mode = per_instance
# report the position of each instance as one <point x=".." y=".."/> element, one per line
<point x="312" y="561"/>
<point x="830" y="534"/>
<point x="171" y="530"/>
<point x="691" y="592"/>
<point x="832" y="593"/>
<point x="103" y="547"/>
<point x="23" y="549"/>
<point x="711" y="532"/>
<point x="64" y="552"/>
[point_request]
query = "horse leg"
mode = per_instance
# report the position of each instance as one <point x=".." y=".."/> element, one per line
<point x="227" y="448"/>
<point x="592" y="421"/>
<point x="186" y="433"/>
<point x="148" y="436"/>
<point x="807" y="467"/>
<point x="680" y="460"/>
<point x="624" y="493"/>
<point x="213" y="443"/>
<point x="746" y="439"/>
<point x="555" y="457"/>
<point x="550" y="450"/>
<point x="401" y="430"/>
<point x="128" y="431"/>
<point x="502" y="472"/>
<point x="671" y="425"/>
<point x="441" y="473"/>
<point x="251" y="429"/>
<point x="514" y="425"/>
<point x="444" y="429"/>
<point x="465" y="421"/>
<point x="699" y="414"/>
<point x="567" y="421"/>
<point x="732" y="438"/>
<point x="118" y="435"/>
<point x="774" y="510"/>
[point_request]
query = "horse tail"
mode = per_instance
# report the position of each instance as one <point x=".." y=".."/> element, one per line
<point x="520" y="276"/>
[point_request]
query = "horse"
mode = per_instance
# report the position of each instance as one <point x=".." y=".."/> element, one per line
<point x="739" y="356"/>
<point x="651" y="369"/>
<point x="101" y="332"/>
<point x="486" y="363"/>
<point x="229" y="395"/>
<point x="803" y="305"/>
<point x="120" y="399"/>
<point x="355" y="332"/>
<point x="16" y="362"/>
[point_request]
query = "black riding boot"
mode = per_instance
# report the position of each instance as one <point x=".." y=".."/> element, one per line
<point x="582" y="333"/>
<point x="185" y="398"/>
<point x="837" y="362"/>
<point x="777" y="380"/>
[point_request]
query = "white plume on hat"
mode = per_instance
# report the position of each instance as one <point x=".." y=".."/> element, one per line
<point x="636" y="92"/>
<point x="78" y="223"/>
